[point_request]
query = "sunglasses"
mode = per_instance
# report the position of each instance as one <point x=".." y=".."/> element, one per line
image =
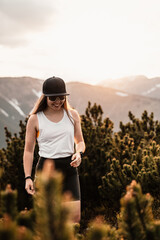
<point x="53" y="98"/>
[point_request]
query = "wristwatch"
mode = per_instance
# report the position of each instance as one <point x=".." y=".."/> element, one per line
<point x="81" y="153"/>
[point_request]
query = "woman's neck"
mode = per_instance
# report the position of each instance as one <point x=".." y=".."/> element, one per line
<point x="54" y="116"/>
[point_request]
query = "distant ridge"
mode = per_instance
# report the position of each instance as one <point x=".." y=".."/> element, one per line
<point x="140" y="85"/>
<point x="18" y="96"/>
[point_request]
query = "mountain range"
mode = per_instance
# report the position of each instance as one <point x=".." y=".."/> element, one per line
<point x="18" y="96"/>
<point x="141" y="85"/>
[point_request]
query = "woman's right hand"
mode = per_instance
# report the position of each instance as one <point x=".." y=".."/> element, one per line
<point x="29" y="186"/>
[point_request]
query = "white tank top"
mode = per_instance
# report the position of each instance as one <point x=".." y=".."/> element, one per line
<point x="55" y="140"/>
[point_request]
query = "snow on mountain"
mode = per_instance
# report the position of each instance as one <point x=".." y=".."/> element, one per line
<point x="153" y="89"/>
<point x="149" y="91"/>
<point x="37" y="93"/>
<point x="14" y="103"/>
<point x="139" y="85"/>
<point x="122" y="94"/>
<point x="4" y="112"/>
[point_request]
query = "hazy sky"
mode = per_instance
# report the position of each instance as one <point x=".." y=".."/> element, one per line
<point x="80" y="40"/>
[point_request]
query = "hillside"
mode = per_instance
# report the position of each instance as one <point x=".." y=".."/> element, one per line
<point x="140" y="85"/>
<point x="115" y="104"/>
<point x="18" y="95"/>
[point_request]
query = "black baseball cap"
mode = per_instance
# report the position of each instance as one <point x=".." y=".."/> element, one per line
<point x="54" y="86"/>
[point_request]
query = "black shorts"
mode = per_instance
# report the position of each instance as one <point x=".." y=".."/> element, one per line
<point x="70" y="175"/>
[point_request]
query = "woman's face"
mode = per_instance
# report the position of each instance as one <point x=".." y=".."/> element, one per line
<point x="55" y="103"/>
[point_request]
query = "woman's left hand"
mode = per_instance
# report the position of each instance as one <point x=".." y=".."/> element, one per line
<point x="76" y="160"/>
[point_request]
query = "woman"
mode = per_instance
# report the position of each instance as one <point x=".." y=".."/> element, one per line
<point x="57" y="127"/>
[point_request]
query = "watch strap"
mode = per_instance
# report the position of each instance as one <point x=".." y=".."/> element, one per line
<point x="81" y="153"/>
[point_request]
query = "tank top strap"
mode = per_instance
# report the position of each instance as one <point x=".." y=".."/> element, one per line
<point x="69" y="115"/>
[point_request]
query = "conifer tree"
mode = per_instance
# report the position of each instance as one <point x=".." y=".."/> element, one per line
<point x="9" y="230"/>
<point x="51" y="215"/>
<point x="136" y="219"/>
<point x="99" y="230"/>
<point x="134" y="156"/>
<point x="11" y="163"/>
<point x="9" y="202"/>
<point x="110" y="163"/>
<point x="98" y="136"/>
<point x="138" y="129"/>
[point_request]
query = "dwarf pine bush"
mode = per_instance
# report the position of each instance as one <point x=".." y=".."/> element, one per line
<point x="135" y="220"/>
<point x="110" y="163"/>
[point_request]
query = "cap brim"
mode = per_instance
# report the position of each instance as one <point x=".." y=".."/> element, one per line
<point x="57" y="94"/>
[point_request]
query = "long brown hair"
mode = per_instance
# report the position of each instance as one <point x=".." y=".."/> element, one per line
<point x="41" y="105"/>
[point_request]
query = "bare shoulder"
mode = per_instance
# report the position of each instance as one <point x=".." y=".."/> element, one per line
<point x="32" y="118"/>
<point x="33" y="121"/>
<point x="75" y="115"/>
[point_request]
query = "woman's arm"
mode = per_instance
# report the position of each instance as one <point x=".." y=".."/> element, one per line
<point x="79" y="141"/>
<point x="30" y="141"/>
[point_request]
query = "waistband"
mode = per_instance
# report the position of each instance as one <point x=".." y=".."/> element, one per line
<point x="64" y="162"/>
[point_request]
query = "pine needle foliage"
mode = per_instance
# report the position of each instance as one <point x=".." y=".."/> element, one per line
<point x="11" y="163"/>
<point x="99" y="230"/>
<point x="9" y="229"/>
<point x="135" y="221"/>
<point x="134" y="156"/>
<point x="51" y="215"/>
<point x="98" y="137"/>
<point x="9" y="202"/>
<point x="111" y="161"/>
<point x="136" y="218"/>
